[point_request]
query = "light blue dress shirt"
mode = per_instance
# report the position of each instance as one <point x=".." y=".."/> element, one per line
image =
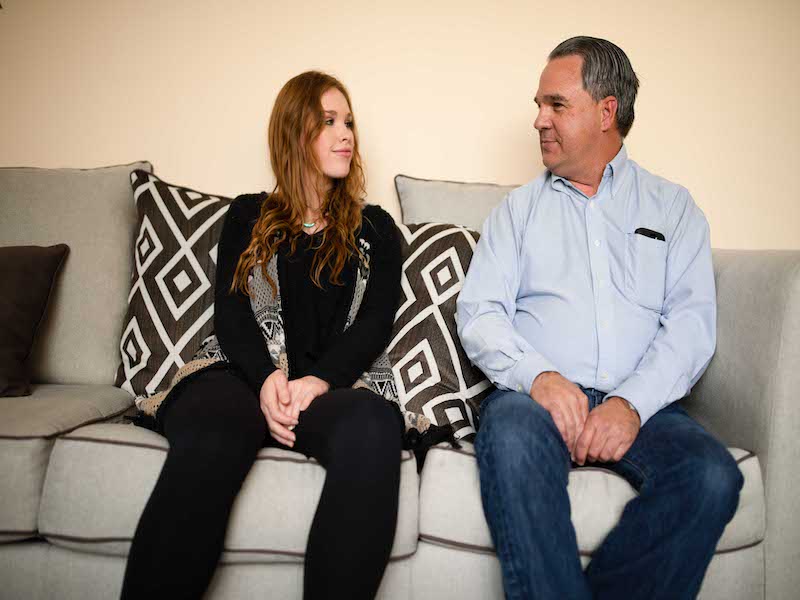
<point x="561" y="282"/>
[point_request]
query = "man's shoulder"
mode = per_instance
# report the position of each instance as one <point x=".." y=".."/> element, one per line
<point x="524" y="195"/>
<point x="656" y="185"/>
<point x="533" y="187"/>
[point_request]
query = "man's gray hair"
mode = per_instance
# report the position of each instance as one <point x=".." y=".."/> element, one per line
<point x="606" y="71"/>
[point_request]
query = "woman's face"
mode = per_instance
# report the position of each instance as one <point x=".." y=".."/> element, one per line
<point x="334" y="146"/>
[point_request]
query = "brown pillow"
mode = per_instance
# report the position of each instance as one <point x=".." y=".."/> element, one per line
<point x="26" y="276"/>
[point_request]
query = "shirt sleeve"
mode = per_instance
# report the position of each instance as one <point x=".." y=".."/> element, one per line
<point x="353" y="351"/>
<point x="235" y="324"/>
<point x="686" y="339"/>
<point x="487" y="305"/>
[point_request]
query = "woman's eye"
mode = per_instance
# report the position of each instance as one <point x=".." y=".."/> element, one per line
<point x="328" y="121"/>
<point x="349" y="124"/>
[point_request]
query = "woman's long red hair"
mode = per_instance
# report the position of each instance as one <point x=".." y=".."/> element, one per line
<point x="296" y="121"/>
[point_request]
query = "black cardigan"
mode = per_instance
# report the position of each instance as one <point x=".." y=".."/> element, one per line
<point x="350" y="352"/>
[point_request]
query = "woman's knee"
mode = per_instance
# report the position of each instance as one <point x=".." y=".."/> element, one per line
<point x="366" y="422"/>
<point x="215" y="413"/>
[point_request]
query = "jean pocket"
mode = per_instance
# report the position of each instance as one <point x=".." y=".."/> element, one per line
<point x="647" y="268"/>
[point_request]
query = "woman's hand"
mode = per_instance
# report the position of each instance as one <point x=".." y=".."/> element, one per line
<point x="303" y="391"/>
<point x="275" y="402"/>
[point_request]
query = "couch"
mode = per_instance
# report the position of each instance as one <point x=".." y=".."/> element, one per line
<point x="74" y="475"/>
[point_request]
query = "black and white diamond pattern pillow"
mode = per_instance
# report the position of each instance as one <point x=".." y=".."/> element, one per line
<point x="434" y="377"/>
<point x="171" y="302"/>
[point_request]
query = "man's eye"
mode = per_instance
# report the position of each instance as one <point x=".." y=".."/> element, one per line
<point x="558" y="105"/>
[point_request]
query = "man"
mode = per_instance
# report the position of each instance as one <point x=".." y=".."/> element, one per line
<point x="590" y="303"/>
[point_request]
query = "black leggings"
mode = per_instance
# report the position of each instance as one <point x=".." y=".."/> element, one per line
<point x="215" y="429"/>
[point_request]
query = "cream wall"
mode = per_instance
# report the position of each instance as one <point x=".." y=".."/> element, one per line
<point x="441" y="89"/>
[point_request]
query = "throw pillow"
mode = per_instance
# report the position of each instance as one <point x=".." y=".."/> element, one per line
<point x="27" y="274"/>
<point x="171" y="301"/>
<point x="434" y="377"/>
<point x="427" y="200"/>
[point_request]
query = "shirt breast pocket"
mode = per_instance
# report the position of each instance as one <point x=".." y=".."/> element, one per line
<point x="647" y="270"/>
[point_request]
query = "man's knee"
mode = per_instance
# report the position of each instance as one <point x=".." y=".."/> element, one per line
<point x="718" y="481"/>
<point x="513" y="426"/>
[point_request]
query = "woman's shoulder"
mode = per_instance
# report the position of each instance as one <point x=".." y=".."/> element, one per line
<point x="244" y="211"/>
<point x="376" y="221"/>
<point x="248" y="203"/>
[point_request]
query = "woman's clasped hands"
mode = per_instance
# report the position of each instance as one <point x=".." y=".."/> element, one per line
<point x="282" y="401"/>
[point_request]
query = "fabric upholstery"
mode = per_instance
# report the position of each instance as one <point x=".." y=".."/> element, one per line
<point x="23" y="464"/>
<point x="171" y="300"/>
<point x="748" y="395"/>
<point x="430" y="200"/>
<point x="90" y="503"/>
<point x="441" y="571"/>
<point x="433" y="375"/>
<point x="52" y="409"/>
<point x="27" y="431"/>
<point x="92" y="212"/>
<point x="597" y="497"/>
<point x="42" y="571"/>
<point x="27" y="274"/>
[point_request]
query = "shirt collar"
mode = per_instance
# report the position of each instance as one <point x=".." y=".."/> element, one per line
<point x="617" y="167"/>
<point x="615" y="170"/>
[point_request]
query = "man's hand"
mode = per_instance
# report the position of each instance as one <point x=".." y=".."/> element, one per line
<point x="565" y="402"/>
<point x="303" y="391"/>
<point x="276" y="406"/>
<point x="608" y="433"/>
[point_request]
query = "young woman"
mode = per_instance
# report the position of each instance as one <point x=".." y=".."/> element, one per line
<point x="308" y="280"/>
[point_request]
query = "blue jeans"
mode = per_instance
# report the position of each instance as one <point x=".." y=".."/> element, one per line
<point x="688" y="486"/>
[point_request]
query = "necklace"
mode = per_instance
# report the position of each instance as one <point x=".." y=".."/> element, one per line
<point x="309" y="225"/>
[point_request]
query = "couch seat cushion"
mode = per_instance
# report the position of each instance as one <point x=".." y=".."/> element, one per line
<point x="101" y="476"/>
<point x="597" y="496"/>
<point x="28" y="429"/>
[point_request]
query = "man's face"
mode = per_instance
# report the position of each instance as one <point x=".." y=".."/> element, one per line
<point x="569" y="120"/>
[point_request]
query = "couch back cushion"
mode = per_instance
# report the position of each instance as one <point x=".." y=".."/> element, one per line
<point x="430" y="200"/>
<point x="92" y="211"/>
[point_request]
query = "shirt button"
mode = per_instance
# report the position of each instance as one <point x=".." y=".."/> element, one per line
<point x="603" y="376"/>
<point x="597" y="243"/>
<point x="519" y="388"/>
<point x="591" y="204"/>
<point x="603" y="324"/>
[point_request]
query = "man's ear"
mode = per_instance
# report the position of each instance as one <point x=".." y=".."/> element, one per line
<point x="608" y="113"/>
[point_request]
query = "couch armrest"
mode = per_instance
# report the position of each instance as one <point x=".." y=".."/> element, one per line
<point x="750" y="395"/>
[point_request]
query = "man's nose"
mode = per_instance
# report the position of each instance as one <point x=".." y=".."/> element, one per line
<point x="542" y="120"/>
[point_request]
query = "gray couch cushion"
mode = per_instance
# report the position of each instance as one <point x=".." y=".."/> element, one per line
<point x="91" y="211"/>
<point x="27" y="431"/>
<point x="429" y="200"/>
<point x="597" y="496"/>
<point x="91" y="504"/>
